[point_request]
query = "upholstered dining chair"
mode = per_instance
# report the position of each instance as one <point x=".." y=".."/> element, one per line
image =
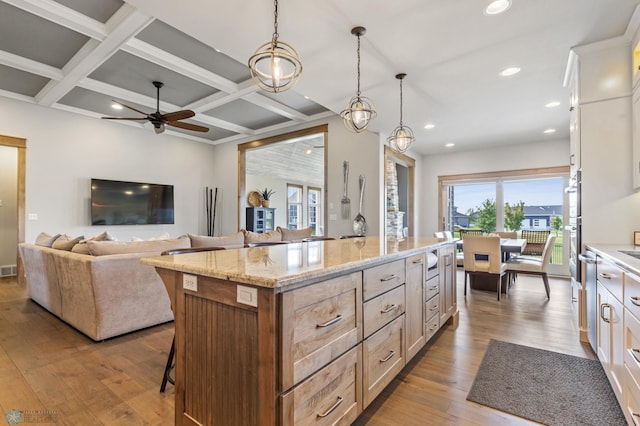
<point x="460" y="253"/>
<point x="507" y="234"/>
<point x="166" y="377"/>
<point x="482" y="257"/>
<point x="534" y="265"/>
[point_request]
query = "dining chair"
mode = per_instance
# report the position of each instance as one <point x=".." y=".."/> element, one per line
<point x="439" y="235"/>
<point x="482" y="256"/>
<point x="529" y="265"/>
<point x="166" y="377"/>
<point x="460" y="253"/>
<point x="507" y="234"/>
<point x="536" y="240"/>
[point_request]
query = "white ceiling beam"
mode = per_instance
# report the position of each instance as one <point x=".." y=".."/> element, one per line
<point x="275" y="107"/>
<point x="17" y="96"/>
<point x="62" y="15"/>
<point x="174" y="63"/>
<point x="124" y="24"/>
<point x="217" y="99"/>
<point x="31" y="66"/>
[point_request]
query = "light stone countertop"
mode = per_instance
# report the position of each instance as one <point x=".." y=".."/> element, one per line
<point x="613" y="253"/>
<point x="287" y="264"/>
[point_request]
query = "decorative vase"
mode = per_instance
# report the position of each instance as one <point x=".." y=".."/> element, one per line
<point x="265" y="203"/>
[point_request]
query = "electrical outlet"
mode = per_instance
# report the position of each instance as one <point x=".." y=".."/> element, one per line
<point x="189" y="282"/>
<point x="333" y="217"/>
<point x="247" y="295"/>
<point x="32" y="216"/>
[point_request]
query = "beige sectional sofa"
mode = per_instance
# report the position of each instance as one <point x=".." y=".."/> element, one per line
<point x="101" y="288"/>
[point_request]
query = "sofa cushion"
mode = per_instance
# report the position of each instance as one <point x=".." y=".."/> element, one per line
<point x="45" y="240"/>
<point x="230" y="241"/>
<point x="81" y="248"/>
<point x="103" y="236"/>
<point x="294" y="234"/>
<point x="102" y="248"/>
<point x="268" y="237"/>
<point x="65" y="242"/>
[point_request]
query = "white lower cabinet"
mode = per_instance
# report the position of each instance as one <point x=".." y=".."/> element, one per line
<point x="610" y="337"/>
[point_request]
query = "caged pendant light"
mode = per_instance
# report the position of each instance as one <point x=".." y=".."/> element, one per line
<point x="275" y="66"/>
<point x="402" y="136"/>
<point x="359" y="111"/>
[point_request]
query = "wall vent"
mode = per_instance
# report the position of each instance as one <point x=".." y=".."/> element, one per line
<point x="8" y="270"/>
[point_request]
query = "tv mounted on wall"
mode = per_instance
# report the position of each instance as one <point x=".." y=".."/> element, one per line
<point x="130" y="203"/>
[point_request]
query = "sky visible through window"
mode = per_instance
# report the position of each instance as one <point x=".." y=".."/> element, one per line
<point x="539" y="192"/>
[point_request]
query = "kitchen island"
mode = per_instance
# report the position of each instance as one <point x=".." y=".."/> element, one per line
<point x="301" y="333"/>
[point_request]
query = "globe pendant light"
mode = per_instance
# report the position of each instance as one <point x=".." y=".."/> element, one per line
<point x="359" y="111"/>
<point x="402" y="136"/>
<point x="275" y="66"/>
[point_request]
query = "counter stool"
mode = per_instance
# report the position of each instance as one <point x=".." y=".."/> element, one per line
<point x="166" y="377"/>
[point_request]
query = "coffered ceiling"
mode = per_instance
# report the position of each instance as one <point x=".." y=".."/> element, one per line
<point x="78" y="55"/>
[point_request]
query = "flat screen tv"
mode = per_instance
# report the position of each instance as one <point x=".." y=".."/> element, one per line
<point x="115" y="202"/>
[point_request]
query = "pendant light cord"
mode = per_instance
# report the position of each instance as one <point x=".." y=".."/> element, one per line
<point x="400" y="102"/>
<point x="275" y="23"/>
<point x="358" y="92"/>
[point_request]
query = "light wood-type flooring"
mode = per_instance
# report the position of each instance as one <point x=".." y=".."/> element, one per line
<point x="49" y="369"/>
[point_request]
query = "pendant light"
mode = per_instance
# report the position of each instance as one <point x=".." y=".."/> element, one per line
<point x="359" y="111"/>
<point x="275" y="66"/>
<point x="402" y="136"/>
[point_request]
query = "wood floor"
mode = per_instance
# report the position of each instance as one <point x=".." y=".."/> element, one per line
<point x="56" y="375"/>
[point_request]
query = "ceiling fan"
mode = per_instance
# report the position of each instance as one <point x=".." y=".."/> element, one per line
<point x="159" y="120"/>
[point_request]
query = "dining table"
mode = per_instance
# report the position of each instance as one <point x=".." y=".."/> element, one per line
<point x="508" y="248"/>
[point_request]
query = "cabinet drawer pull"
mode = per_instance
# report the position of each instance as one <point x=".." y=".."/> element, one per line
<point x="635" y="300"/>
<point x="330" y="322"/>
<point x="389" y="309"/>
<point x="417" y="262"/>
<point x="435" y="308"/>
<point x="433" y="287"/>
<point x="332" y="408"/>
<point x="605" y="275"/>
<point x="636" y="354"/>
<point x="389" y="277"/>
<point x="391" y="354"/>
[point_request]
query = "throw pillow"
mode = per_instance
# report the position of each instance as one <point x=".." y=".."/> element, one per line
<point x="45" y="240"/>
<point x="104" y="236"/>
<point x="81" y="248"/>
<point x="294" y="234"/>
<point x="267" y="237"/>
<point x="229" y="241"/>
<point x="103" y="248"/>
<point x="65" y="242"/>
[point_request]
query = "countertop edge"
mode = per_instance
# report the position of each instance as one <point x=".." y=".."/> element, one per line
<point x="612" y="252"/>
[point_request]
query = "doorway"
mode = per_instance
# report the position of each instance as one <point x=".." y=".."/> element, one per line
<point x="12" y="207"/>
<point x="399" y="183"/>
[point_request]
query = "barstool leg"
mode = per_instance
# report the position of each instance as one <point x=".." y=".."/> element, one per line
<point x="166" y="378"/>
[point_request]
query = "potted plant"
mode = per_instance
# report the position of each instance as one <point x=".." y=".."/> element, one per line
<point x="266" y="195"/>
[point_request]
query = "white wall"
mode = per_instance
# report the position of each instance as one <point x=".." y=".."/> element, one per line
<point x="526" y="156"/>
<point x="65" y="150"/>
<point x="9" y="205"/>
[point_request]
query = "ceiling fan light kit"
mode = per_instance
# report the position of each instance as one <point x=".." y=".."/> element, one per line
<point x="158" y="119"/>
<point x="360" y="110"/>
<point x="402" y="136"/>
<point x="275" y="66"/>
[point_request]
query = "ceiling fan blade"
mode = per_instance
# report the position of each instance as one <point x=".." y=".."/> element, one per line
<point x="127" y="106"/>
<point x="178" y="115"/>
<point x="125" y="118"/>
<point x="188" y="126"/>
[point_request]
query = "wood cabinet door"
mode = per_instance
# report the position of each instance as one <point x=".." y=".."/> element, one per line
<point x="448" y="303"/>
<point x="415" y="296"/>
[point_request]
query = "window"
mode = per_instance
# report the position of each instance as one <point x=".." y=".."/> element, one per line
<point x="294" y="206"/>
<point x="314" y="209"/>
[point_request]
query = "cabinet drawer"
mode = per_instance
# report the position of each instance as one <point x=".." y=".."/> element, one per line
<point x="382" y="358"/>
<point x="432" y="326"/>
<point x="382" y="278"/>
<point x="433" y="287"/>
<point x="319" y="323"/>
<point x="433" y="307"/>
<point x="328" y="397"/>
<point x="632" y="293"/>
<point x="631" y="395"/>
<point x="382" y="309"/>
<point x="610" y="276"/>
<point x="632" y="343"/>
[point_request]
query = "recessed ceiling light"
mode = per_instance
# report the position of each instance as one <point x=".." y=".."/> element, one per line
<point x="116" y="106"/>
<point x="308" y="151"/>
<point x="549" y="131"/>
<point x="509" y="71"/>
<point x="552" y="104"/>
<point x="429" y="126"/>
<point x="450" y="145"/>
<point x="306" y="97"/>
<point x="497" y="6"/>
